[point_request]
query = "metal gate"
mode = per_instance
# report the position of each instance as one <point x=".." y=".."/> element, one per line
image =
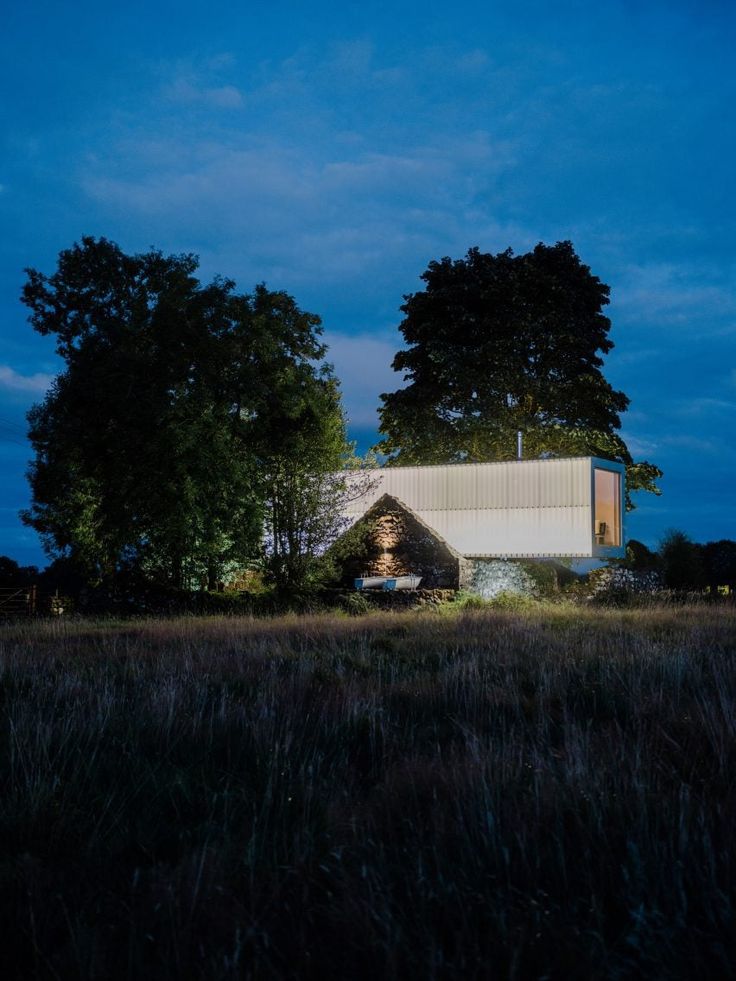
<point x="19" y="601"/>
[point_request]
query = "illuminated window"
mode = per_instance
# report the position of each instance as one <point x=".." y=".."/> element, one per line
<point x="607" y="527"/>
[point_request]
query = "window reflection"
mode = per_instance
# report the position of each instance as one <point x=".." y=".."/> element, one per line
<point x="607" y="523"/>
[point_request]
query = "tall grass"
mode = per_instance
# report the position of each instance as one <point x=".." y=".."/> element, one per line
<point x="487" y="794"/>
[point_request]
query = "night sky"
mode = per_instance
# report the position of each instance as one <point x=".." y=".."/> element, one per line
<point x="333" y="150"/>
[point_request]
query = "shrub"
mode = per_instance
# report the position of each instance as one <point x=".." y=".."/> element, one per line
<point x="545" y="576"/>
<point x="683" y="562"/>
<point x="613" y="584"/>
<point x="514" y="602"/>
<point x="639" y="557"/>
<point x="491" y="577"/>
<point x="356" y="604"/>
<point x="465" y="600"/>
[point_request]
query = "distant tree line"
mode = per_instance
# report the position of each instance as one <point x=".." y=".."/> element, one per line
<point x="685" y="564"/>
<point x="681" y="565"/>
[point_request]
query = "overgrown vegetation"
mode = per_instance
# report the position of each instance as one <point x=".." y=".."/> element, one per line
<point x="484" y="794"/>
<point x="189" y="425"/>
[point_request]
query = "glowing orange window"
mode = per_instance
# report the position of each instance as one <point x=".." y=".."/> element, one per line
<point x="607" y="522"/>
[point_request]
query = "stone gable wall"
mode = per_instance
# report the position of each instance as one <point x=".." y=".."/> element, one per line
<point x="400" y="545"/>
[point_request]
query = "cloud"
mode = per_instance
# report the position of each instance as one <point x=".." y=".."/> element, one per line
<point x="13" y="381"/>
<point x="473" y="61"/>
<point x="693" y="444"/>
<point x="199" y="82"/>
<point x="352" y="57"/>
<point x="670" y="294"/>
<point x="225" y="59"/>
<point x="639" y="447"/>
<point x="314" y="214"/>
<point x="634" y="357"/>
<point x="363" y="365"/>
<point x="326" y="204"/>
<point x="306" y="106"/>
<point x="188" y="92"/>
<point x="704" y="407"/>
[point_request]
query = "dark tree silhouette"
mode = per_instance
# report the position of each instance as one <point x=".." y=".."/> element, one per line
<point x="153" y="446"/>
<point x="501" y="343"/>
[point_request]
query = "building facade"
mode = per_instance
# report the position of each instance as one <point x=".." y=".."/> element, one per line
<point x="525" y="509"/>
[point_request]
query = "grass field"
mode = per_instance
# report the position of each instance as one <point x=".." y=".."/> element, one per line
<point x="481" y="794"/>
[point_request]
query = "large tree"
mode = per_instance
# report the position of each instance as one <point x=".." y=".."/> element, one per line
<point x="151" y="442"/>
<point x="306" y="484"/>
<point x="502" y="343"/>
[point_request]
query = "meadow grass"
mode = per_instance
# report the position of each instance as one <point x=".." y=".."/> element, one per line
<point x="487" y="794"/>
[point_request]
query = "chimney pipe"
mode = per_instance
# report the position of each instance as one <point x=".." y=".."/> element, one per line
<point x="519" y="445"/>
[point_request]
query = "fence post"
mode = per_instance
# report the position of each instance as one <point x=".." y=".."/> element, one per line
<point x="32" y="596"/>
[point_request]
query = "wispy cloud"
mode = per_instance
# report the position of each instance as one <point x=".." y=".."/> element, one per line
<point x="305" y="165"/>
<point x="13" y="381"/>
<point x="317" y="214"/>
<point x="363" y="365"/>
<point x="705" y="406"/>
<point x="693" y="443"/>
<point x="188" y="91"/>
<point x="679" y="295"/>
<point x="638" y="446"/>
<point x="209" y="83"/>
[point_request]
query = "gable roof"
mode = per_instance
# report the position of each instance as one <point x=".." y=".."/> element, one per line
<point x="389" y="500"/>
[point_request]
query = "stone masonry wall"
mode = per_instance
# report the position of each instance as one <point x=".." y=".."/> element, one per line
<point x="401" y="545"/>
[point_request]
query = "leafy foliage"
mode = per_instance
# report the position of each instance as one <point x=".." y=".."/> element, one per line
<point x="492" y="577"/>
<point x="501" y="343"/>
<point x="719" y="559"/>
<point x="150" y="445"/>
<point x="639" y="557"/>
<point x="618" y="584"/>
<point x="681" y="561"/>
<point x="305" y="475"/>
<point x="13" y="575"/>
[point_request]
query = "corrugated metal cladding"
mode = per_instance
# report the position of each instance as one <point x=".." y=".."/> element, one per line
<point x="521" y="508"/>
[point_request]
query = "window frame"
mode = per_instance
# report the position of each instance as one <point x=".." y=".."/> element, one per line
<point x="608" y="551"/>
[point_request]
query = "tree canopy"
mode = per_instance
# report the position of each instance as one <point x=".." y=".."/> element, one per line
<point x="152" y="445"/>
<point x="306" y="486"/>
<point x="502" y="343"/>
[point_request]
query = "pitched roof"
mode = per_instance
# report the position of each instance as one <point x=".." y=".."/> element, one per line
<point x="390" y="499"/>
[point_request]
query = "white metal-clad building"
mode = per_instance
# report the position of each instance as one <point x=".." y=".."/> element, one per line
<point x="569" y="507"/>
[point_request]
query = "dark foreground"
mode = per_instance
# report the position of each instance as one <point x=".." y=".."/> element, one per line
<point x="491" y="795"/>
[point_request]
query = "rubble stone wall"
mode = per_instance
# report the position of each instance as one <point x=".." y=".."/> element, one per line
<point x="401" y="545"/>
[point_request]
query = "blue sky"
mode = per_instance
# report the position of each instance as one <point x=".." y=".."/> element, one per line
<point x="334" y="150"/>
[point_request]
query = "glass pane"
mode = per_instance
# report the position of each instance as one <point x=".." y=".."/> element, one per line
<point x="607" y="527"/>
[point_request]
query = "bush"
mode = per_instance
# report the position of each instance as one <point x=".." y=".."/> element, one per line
<point x="615" y="584"/>
<point x="639" y="557"/>
<point x="546" y="576"/>
<point x="514" y="602"/>
<point x="491" y="577"/>
<point x="683" y="562"/>
<point x="356" y="604"/>
<point x="464" y="600"/>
